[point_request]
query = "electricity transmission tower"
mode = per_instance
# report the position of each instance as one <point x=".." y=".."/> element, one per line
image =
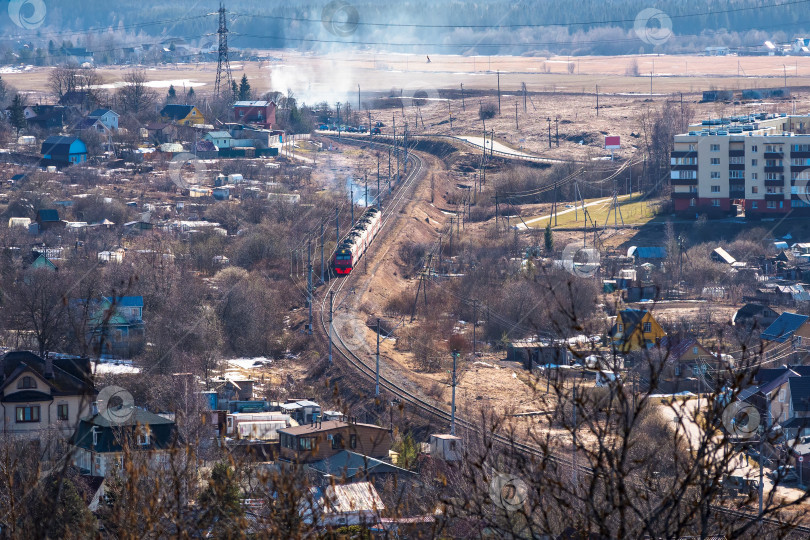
<point x="223" y="52"/>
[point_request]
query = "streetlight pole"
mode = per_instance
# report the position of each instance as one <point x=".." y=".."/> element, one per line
<point x="453" y="403"/>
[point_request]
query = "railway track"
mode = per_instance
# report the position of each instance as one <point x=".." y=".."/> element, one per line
<point x="391" y="210"/>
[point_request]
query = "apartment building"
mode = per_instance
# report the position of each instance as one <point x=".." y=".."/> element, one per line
<point x="760" y="163"/>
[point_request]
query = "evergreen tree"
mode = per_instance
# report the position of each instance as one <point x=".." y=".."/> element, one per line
<point x="549" y="238"/>
<point x="172" y="95"/>
<point x="235" y="90"/>
<point x="244" y="89"/>
<point x="18" y="113"/>
<point x="190" y="94"/>
<point x="221" y="499"/>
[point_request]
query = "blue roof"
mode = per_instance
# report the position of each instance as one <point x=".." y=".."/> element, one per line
<point x="101" y="112"/>
<point x="126" y="301"/>
<point x="647" y="252"/>
<point x="782" y="328"/>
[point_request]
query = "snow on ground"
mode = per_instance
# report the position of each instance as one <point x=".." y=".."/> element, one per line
<point x="106" y="368"/>
<point x="249" y="363"/>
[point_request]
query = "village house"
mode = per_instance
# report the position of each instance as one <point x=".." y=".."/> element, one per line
<point x="100" y="440"/>
<point x="635" y="329"/>
<point x="315" y="442"/>
<point x="787" y="340"/>
<point x="48" y="218"/>
<point x="184" y="115"/>
<point x="63" y="150"/>
<point x="115" y="325"/>
<point x="262" y="113"/>
<point x="44" y="395"/>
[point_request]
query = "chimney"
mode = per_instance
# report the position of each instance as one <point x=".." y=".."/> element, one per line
<point x="48" y="366"/>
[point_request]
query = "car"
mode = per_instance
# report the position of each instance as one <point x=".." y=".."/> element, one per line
<point x="379" y="124"/>
<point x="323" y="127"/>
<point x="375" y="131"/>
<point x="362" y="129"/>
<point x="784" y="473"/>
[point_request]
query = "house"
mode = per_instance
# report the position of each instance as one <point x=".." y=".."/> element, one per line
<point x="348" y="466"/>
<point x="40" y="395"/>
<point x="40" y="261"/>
<point x="92" y="124"/>
<point x="342" y="505"/>
<point x="754" y="314"/>
<point x="78" y="98"/>
<point x="46" y="116"/>
<point x="161" y="132"/>
<point x="445" y="447"/>
<point x="302" y="411"/>
<point x="116" y="325"/>
<point x="782" y="397"/>
<point x="63" y="150"/>
<point x="76" y="55"/>
<point x="107" y="117"/>
<point x="532" y="353"/>
<point x="48" y="218"/>
<point x="685" y="364"/>
<point x="185" y="115"/>
<point x="647" y="252"/>
<point x="206" y="150"/>
<point x="635" y="329"/>
<point x="787" y="339"/>
<point x="316" y="442"/>
<point x="222" y="139"/>
<point x="100" y="440"/>
<point x="262" y="113"/>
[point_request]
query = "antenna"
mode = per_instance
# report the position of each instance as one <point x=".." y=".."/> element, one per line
<point x="223" y="52"/>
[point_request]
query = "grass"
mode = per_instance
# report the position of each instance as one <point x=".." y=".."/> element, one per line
<point x="636" y="210"/>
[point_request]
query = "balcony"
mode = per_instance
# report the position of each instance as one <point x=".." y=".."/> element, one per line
<point x="774" y="196"/>
<point x="736" y="181"/>
<point x="774" y="155"/>
<point x="736" y="153"/>
<point x="684" y="181"/>
<point x="736" y="166"/>
<point x="684" y="167"/>
<point x="800" y="154"/>
<point x="683" y="153"/>
<point x="777" y="169"/>
<point x="684" y="195"/>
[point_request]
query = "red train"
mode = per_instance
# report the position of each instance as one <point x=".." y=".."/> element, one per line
<point x="356" y="242"/>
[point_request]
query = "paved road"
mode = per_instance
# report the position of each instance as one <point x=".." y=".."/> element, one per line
<point x="527" y="222"/>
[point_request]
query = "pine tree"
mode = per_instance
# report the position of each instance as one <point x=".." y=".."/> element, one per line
<point x="18" y="113"/>
<point x="190" y="94"/>
<point x="235" y="90"/>
<point x="549" y="238"/>
<point x="244" y="89"/>
<point x="172" y="92"/>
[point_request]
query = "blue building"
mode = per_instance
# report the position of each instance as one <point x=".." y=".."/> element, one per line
<point x="64" y="150"/>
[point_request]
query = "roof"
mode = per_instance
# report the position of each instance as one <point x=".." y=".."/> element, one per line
<point x="647" y="252"/>
<point x="749" y="311"/>
<point x="71" y="376"/>
<point x="261" y="103"/>
<point x="85" y="123"/>
<point x="783" y="327"/>
<point x="348" y="498"/>
<point x="631" y="318"/>
<point x="58" y="144"/>
<point x="446" y="436"/>
<point x="220" y="135"/>
<point x="138" y="416"/>
<point x="162" y="430"/>
<point x="176" y="112"/>
<point x="47" y="215"/>
<point x="347" y="464"/>
<point x="723" y="254"/>
<point x="320" y="427"/>
<point x="126" y="301"/>
<point x="677" y="347"/>
<point x="800" y="393"/>
<point x="101" y="112"/>
<point x="206" y="146"/>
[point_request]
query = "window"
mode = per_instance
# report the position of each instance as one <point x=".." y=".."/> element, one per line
<point x="753" y="205"/>
<point x="798" y="340"/>
<point x="754" y="176"/>
<point x="736" y="174"/>
<point x="715" y="189"/>
<point x="28" y="413"/>
<point x="716" y="202"/>
<point x="781" y="395"/>
<point x="143" y="439"/>
<point x="773" y="163"/>
<point x="337" y="441"/>
<point x="694" y="350"/>
<point x="754" y="148"/>
<point x="715" y="161"/>
<point x="737" y="160"/>
<point x="691" y="147"/>
<point x="753" y="163"/>
<point x="771" y="204"/>
<point x="27" y="382"/>
<point x="353" y="441"/>
<point x="754" y="189"/>
<point x="62" y="412"/>
<point x="677" y="370"/>
<point x="305" y="443"/>
<point x="621" y="326"/>
<point x="692" y="202"/>
<point x="715" y="174"/>
<point x="715" y="148"/>
<point x="647" y="327"/>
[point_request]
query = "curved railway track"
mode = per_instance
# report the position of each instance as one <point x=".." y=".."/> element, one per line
<point x="394" y="204"/>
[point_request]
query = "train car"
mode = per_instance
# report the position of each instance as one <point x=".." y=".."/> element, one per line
<point x="356" y="241"/>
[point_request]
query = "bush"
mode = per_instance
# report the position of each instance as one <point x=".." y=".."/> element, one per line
<point x="487" y="111"/>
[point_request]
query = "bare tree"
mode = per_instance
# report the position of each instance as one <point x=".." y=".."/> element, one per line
<point x="135" y="97"/>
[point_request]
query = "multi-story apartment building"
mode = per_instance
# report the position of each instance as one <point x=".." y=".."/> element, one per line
<point x="761" y="163"/>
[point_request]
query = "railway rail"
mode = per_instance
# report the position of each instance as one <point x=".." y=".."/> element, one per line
<point x="405" y="395"/>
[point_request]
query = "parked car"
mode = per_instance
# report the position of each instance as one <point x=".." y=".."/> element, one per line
<point x="379" y="124"/>
<point x="323" y="127"/>
<point x="375" y="131"/>
<point x="362" y="129"/>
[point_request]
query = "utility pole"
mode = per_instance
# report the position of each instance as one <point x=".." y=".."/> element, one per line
<point x="351" y="202"/>
<point x="597" y="102"/>
<point x="492" y="144"/>
<point x="453" y="402"/>
<point x="450" y="248"/>
<point x="322" y="266"/>
<point x="549" y="131"/>
<point x="475" y="322"/>
<point x="223" y="64"/>
<point x="338" y="114"/>
<point x="524" y="96"/>
<point x="574" y="436"/>
<point x="516" y="118"/>
<point x="379" y="195"/>
<point x="309" y="283"/>
<point x="358" y="98"/>
<point x="557" y="129"/>
<point x="449" y="114"/>
<point x="337" y="227"/>
<point x="365" y="177"/>
<point x="651" y="75"/>
<point x="761" y="490"/>
<point x="331" y="299"/>
<point x="463" y="107"/>
<point x="499" y="93"/>
<point x="377" y="389"/>
<point x="396" y="148"/>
